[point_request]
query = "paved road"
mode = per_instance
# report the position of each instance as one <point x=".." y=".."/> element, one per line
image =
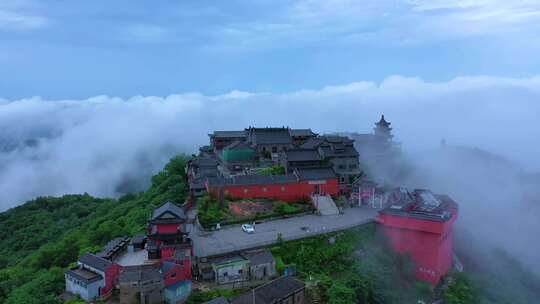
<point x="233" y="238"/>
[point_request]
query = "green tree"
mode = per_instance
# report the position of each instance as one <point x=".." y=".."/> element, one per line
<point x="359" y="283"/>
<point x="42" y="289"/>
<point x="339" y="293"/>
<point x="460" y="291"/>
<point x="209" y="211"/>
<point x="273" y="170"/>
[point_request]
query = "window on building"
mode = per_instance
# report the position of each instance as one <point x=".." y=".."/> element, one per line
<point x="274" y="149"/>
<point x="240" y="271"/>
<point x="173" y="275"/>
<point x="282" y="188"/>
<point x="341" y="166"/>
<point x="264" y="189"/>
<point x="245" y="190"/>
<point x="353" y="166"/>
<point x="225" y="274"/>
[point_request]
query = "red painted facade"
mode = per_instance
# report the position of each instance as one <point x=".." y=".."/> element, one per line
<point x="288" y="192"/>
<point x="169" y="243"/>
<point x="180" y="272"/>
<point x="111" y="274"/>
<point x="167" y="228"/>
<point x="167" y="252"/>
<point x="428" y="242"/>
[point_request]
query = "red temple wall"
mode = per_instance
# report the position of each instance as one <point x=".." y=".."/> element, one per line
<point x="287" y="191"/>
<point x="406" y="222"/>
<point x="432" y="252"/>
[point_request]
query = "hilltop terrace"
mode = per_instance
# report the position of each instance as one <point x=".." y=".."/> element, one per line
<point x="281" y="152"/>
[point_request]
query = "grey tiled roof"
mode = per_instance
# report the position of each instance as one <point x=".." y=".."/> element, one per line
<point x="138" y="239"/>
<point x="348" y="151"/>
<point x="228" y="258"/>
<point x="113" y="246"/>
<point x="252" y="180"/>
<point x="169" y="207"/>
<point x="229" y="134"/>
<point x="312" y="143"/>
<point x="259" y="257"/>
<point x="302" y="132"/>
<point x="84" y="275"/>
<point x="271" y="292"/>
<point x="315" y="173"/>
<point x="302" y="155"/>
<point x="266" y="136"/>
<point x="94" y="261"/>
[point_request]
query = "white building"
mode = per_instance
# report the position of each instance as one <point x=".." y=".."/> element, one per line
<point x="84" y="283"/>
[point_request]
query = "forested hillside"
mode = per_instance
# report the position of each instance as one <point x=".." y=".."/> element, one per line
<point x="25" y="228"/>
<point x="43" y="236"/>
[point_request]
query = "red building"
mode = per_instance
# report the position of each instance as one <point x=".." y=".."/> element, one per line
<point x="420" y="223"/>
<point x="167" y="231"/>
<point x="174" y="272"/>
<point x="289" y="187"/>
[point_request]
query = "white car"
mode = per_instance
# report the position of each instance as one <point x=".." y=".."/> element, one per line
<point x="248" y="228"/>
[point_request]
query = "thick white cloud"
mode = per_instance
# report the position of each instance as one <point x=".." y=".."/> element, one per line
<point x="105" y="145"/>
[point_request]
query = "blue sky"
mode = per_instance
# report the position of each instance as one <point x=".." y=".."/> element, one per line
<point x="79" y="49"/>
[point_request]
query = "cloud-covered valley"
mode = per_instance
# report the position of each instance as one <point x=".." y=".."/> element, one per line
<point x="107" y="146"/>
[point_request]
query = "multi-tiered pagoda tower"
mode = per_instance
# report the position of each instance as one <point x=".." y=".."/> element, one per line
<point x="383" y="130"/>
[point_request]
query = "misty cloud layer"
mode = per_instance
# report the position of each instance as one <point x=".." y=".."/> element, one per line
<point x="499" y="203"/>
<point x="106" y="146"/>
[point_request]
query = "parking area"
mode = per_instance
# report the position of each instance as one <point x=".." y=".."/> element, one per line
<point x="234" y="239"/>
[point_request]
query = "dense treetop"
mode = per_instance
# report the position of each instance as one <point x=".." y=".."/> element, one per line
<point x="43" y="236"/>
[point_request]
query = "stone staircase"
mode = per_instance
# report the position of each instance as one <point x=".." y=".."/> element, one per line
<point x="324" y="204"/>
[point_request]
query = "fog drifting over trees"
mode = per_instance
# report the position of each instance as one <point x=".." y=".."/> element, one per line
<point x="107" y="146"/>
